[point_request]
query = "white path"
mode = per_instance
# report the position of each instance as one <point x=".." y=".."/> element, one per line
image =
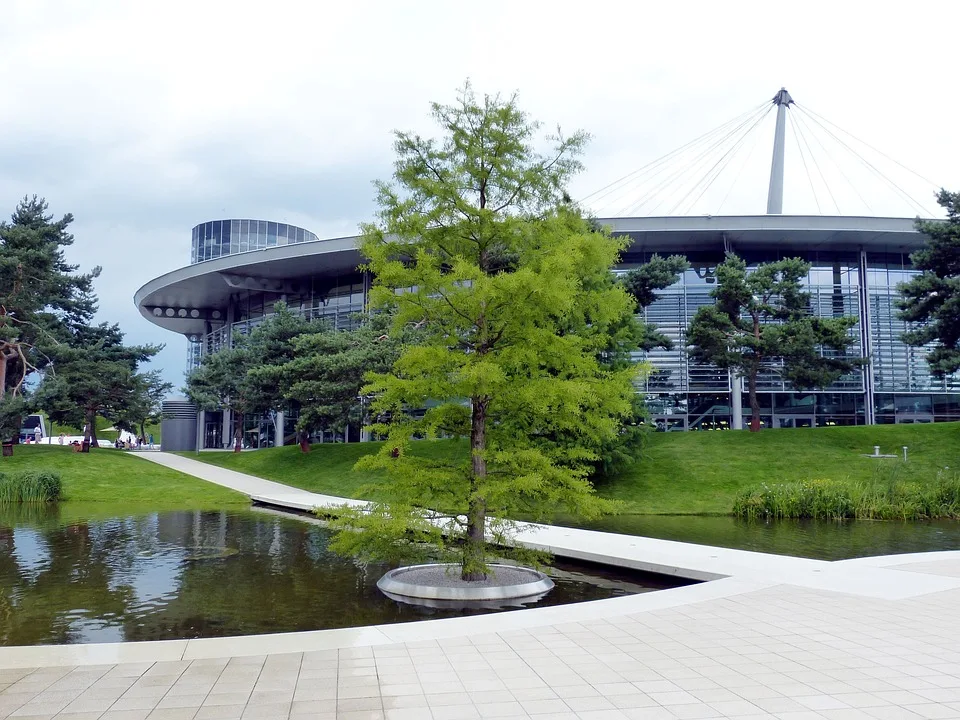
<point x="777" y="637"/>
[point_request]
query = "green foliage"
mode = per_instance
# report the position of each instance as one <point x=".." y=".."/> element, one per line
<point x="643" y="282"/>
<point x="761" y="321"/>
<point x="95" y="374"/>
<point x="933" y="297"/>
<point x="30" y="486"/>
<point x="885" y="497"/>
<point x="477" y="247"/>
<point x="325" y="375"/>
<point x="249" y="377"/>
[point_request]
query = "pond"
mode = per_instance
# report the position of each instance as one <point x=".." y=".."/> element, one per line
<point x="822" y="540"/>
<point x="160" y="576"/>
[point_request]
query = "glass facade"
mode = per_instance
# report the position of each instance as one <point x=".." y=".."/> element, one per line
<point x="895" y="385"/>
<point x="228" y="237"/>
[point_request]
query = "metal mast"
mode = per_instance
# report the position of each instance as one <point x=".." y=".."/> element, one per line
<point x="775" y="195"/>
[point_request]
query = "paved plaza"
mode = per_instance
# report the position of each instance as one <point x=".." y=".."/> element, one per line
<point x="773" y="637"/>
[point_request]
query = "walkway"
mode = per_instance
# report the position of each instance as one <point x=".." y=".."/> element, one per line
<point x="777" y="637"/>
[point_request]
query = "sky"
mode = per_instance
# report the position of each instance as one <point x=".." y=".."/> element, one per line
<point x="146" y="118"/>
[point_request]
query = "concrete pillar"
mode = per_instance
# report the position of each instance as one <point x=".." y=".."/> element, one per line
<point x="736" y="401"/>
<point x="775" y="193"/>
<point x="278" y="427"/>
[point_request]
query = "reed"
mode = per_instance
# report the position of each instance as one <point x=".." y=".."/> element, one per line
<point x="31" y="486"/>
<point x="884" y="497"/>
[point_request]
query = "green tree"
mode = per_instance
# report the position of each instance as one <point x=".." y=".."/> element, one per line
<point x="93" y="374"/>
<point x="42" y="297"/>
<point x="933" y="297"/>
<point x="761" y="321"/>
<point x="145" y="404"/>
<point x="269" y="348"/>
<point x="326" y="375"/>
<point x="220" y="383"/>
<point x="476" y="246"/>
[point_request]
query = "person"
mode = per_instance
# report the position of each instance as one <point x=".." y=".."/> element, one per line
<point x="37" y="433"/>
<point x="62" y="438"/>
<point x="151" y="441"/>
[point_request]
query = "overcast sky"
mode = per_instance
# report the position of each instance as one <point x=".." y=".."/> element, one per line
<point x="146" y="118"/>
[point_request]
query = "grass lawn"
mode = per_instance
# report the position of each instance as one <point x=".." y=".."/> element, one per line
<point x="113" y="478"/>
<point x="681" y="473"/>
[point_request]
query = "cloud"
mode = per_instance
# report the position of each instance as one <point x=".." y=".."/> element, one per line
<point x="144" y="119"/>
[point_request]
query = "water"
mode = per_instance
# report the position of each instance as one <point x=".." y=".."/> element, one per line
<point x="822" y="540"/>
<point x="160" y="576"/>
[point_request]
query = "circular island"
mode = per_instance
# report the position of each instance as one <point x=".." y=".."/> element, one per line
<point x="440" y="583"/>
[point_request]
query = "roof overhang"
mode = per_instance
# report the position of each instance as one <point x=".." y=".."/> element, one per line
<point x="206" y="287"/>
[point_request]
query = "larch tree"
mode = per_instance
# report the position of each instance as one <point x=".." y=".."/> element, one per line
<point x="477" y="246"/>
<point x="932" y="298"/>
<point x="761" y="320"/>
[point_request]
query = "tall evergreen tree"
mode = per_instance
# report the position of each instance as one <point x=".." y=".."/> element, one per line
<point x="476" y="246"/>
<point x="42" y="297"/>
<point x="761" y="321"/>
<point x="93" y="374"/>
<point x="933" y="297"/>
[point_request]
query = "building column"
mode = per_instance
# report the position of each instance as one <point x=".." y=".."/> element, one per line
<point x="736" y="401"/>
<point x="226" y="431"/>
<point x="866" y="341"/>
<point x="278" y="428"/>
<point x="201" y="428"/>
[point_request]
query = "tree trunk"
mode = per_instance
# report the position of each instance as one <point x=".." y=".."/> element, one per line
<point x="143" y="430"/>
<point x="474" y="552"/>
<point x="754" y="401"/>
<point x="304" y="440"/>
<point x="237" y="431"/>
<point x="90" y="430"/>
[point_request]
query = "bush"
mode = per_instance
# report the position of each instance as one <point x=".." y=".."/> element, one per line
<point x="30" y="486"/>
<point x="883" y="498"/>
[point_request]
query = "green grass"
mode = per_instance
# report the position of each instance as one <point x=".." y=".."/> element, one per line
<point x="681" y="473"/>
<point x="30" y="486"/>
<point x="119" y="480"/>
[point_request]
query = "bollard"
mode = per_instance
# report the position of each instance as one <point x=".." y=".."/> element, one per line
<point x="876" y="449"/>
<point x="904" y="453"/>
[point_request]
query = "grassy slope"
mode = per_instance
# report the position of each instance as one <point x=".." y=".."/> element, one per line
<point x="112" y="477"/>
<point x="680" y="473"/>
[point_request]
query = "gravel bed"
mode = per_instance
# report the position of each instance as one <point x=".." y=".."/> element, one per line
<point x="449" y="576"/>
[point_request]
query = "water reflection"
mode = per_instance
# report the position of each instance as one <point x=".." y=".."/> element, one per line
<point x="169" y="575"/>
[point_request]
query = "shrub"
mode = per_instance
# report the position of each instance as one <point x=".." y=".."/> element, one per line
<point x="30" y="486"/>
<point x="883" y="498"/>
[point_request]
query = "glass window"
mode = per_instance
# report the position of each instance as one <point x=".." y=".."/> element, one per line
<point x="281" y="233"/>
<point x="300" y="235"/>
<point x="262" y="235"/>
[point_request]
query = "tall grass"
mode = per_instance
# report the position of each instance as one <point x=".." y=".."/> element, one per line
<point x="31" y="486"/>
<point x="884" y="497"/>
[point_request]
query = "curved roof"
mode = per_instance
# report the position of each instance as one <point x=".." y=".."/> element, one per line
<point x="206" y="286"/>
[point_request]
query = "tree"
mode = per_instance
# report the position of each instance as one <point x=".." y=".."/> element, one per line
<point x="933" y="297"/>
<point x="327" y="373"/>
<point x="42" y="297"/>
<point x="145" y="404"/>
<point x="476" y="245"/>
<point x="761" y="320"/>
<point x="92" y="374"/>
<point x="219" y="383"/>
<point x="269" y="348"/>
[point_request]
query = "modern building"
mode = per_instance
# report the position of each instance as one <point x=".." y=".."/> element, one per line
<point x="240" y="268"/>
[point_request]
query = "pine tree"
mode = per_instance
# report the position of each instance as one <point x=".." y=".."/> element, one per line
<point x="761" y="320"/>
<point x="933" y="297"/>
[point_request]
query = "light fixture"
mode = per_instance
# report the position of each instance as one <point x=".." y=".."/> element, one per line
<point x="169" y="312"/>
<point x="181" y="313"/>
<point x="157" y="312"/>
<point x="216" y="314"/>
<point x="194" y="313"/>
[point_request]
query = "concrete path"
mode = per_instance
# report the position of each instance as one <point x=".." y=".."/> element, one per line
<point x="778" y="637"/>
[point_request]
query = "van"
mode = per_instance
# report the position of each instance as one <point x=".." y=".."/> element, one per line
<point x="28" y="428"/>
